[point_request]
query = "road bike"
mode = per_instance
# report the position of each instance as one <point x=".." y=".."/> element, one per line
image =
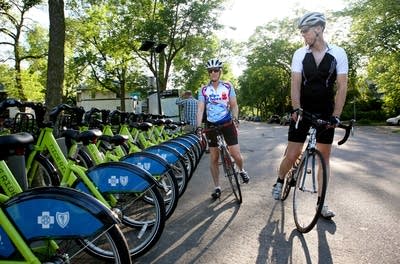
<point x="227" y="161"/>
<point x="309" y="175"/>
<point x="52" y="224"/>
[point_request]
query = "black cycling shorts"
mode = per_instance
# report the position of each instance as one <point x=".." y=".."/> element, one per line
<point x="299" y="135"/>
<point x="228" y="131"/>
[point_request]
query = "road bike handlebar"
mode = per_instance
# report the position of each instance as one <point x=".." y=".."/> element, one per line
<point x="320" y="122"/>
<point x="348" y="128"/>
<point x="216" y="127"/>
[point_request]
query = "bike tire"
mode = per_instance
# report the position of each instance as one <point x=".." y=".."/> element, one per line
<point x="306" y="209"/>
<point x="144" y="214"/>
<point x="111" y="247"/>
<point x="169" y="190"/>
<point x="83" y="159"/>
<point x="286" y="185"/>
<point x="42" y="173"/>
<point x="232" y="174"/>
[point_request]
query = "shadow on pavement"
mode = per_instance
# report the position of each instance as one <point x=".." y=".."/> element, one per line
<point x="193" y="225"/>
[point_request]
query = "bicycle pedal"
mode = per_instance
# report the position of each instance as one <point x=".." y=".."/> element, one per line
<point x="292" y="183"/>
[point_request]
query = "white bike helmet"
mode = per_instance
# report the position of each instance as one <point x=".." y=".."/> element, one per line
<point x="214" y="63"/>
<point x="312" y="19"/>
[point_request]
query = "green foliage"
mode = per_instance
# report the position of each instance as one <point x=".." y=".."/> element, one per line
<point x="376" y="33"/>
<point x="385" y="71"/>
<point x="265" y="84"/>
<point x="107" y="36"/>
<point x="34" y="89"/>
<point x="13" y="25"/>
<point x="376" y="25"/>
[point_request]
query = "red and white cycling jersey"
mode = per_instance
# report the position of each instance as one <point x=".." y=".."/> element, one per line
<point x="217" y="101"/>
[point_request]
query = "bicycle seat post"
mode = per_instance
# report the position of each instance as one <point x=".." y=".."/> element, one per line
<point x="16" y="163"/>
<point x="13" y="149"/>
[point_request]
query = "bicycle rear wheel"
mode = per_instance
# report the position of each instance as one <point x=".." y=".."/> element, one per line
<point x="311" y="182"/>
<point x="232" y="174"/>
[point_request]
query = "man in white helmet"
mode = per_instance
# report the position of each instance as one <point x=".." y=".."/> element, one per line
<point x="319" y="86"/>
<point x="218" y="100"/>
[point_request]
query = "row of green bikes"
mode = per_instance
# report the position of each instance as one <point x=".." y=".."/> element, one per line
<point x="91" y="186"/>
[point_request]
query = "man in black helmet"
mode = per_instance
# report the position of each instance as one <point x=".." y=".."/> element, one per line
<point x="319" y="86"/>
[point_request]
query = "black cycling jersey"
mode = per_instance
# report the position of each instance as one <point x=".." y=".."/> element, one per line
<point x="317" y="87"/>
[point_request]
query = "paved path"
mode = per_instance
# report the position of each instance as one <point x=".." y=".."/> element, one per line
<point x="364" y="192"/>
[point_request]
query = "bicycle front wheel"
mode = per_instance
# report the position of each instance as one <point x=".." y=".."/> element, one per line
<point x="311" y="183"/>
<point x="232" y="174"/>
<point x="143" y="218"/>
<point x="110" y="247"/>
<point x="287" y="184"/>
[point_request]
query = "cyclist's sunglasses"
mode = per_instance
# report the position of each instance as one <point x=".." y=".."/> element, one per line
<point x="304" y="30"/>
<point x="214" y="70"/>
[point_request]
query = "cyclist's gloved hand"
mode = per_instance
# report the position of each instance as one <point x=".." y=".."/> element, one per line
<point x="334" y="120"/>
<point x="199" y="131"/>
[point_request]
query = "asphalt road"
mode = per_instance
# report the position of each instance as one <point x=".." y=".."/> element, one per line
<point x="364" y="192"/>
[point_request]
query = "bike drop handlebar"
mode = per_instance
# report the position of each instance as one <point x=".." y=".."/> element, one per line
<point x="320" y="122"/>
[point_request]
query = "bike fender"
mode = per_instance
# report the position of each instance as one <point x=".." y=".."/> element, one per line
<point x="6" y="247"/>
<point x="166" y="152"/>
<point x="186" y="142"/>
<point x="148" y="161"/>
<point x="112" y="177"/>
<point x="57" y="212"/>
<point x="178" y="146"/>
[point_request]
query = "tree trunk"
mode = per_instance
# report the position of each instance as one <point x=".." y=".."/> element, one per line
<point x="55" y="64"/>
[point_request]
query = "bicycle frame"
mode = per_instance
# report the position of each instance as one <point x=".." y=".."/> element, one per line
<point x="311" y="146"/>
<point x="68" y="169"/>
<point x="70" y="172"/>
<point x="228" y="164"/>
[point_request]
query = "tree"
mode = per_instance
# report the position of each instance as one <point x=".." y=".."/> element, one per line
<point x="265" y="84"/>
<point x="375" y="32"/>
<point x="55" y="62"/>
<point x="177" y="23"/>
<point x="109" y="36"/>
<point x="102" y="54"/>
<point x="13" y="20"/>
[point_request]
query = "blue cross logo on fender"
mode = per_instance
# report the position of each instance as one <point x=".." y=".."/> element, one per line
<point x="62" y="219"/>
<point x="45" y="220"/>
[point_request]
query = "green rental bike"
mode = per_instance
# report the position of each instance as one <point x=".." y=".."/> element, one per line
<point x="126" y="189"/>
<point x="52" y="224"/>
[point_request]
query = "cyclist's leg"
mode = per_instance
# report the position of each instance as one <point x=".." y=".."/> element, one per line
<point x="292" y="152"/>
<point x="234" y="150"/>
<point x="325" y="150"/>
<point x="324" y="145"/>
<point x="214" y="168"/>
<point x="214" y="158"/>
<point x="296" y="139"/>
<point x="231" y="137"/>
